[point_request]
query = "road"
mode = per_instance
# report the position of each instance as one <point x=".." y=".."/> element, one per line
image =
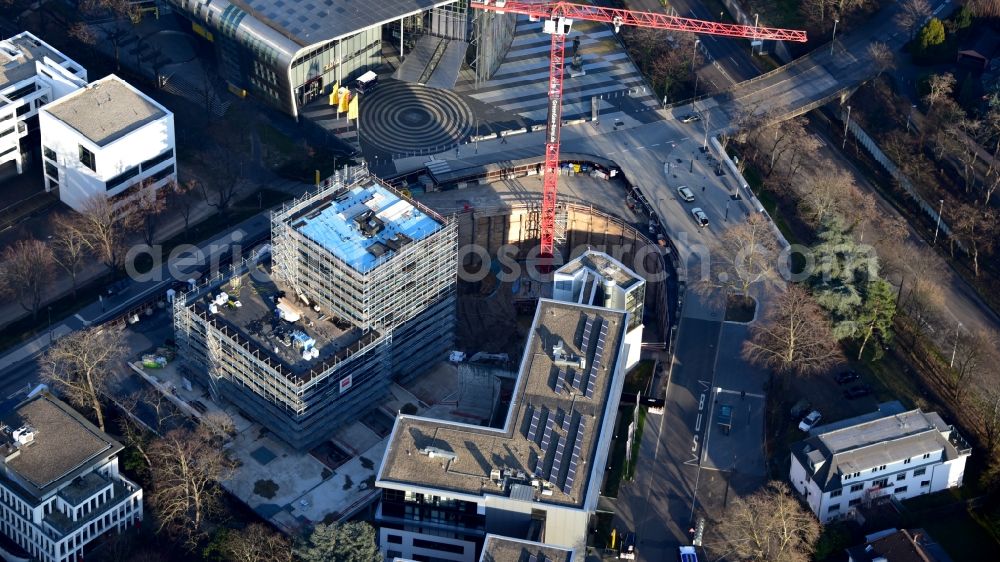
<point x="19" y="365"/>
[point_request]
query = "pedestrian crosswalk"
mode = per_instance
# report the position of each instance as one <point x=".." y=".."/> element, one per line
<point x="520" y="85"/>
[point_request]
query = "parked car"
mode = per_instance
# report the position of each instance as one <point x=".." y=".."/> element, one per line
<point x="688" y="554"/>
<point x="847" y="376"/>
<point x="685" y="193"/>
<point x="857" y="391"/>
<point x="699" y="217"/>
<point x="690" y="118"/>
<point x="810" y="420"/>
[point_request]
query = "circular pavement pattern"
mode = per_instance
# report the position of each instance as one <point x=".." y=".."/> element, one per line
<point x="403" y="118"/>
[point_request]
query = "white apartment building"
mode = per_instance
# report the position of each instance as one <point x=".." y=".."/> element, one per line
<point x="597" y="279"/>
<point x="59" y="483"/>
<point x="32" y="74"/>
<point x="447" y="485"/>
<point x="891" y="452"/>
<point x="103" y="140"/>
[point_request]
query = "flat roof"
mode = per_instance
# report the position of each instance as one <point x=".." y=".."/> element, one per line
<point x="105" y="110"/>
<point x="861" y="443"/>
<point x="505" y="549"/>
<point x="603" y="265"/>
<point x="255" y="322"/>
<point x="362" y="224"/>
<point x="551" y="430"/>
<point x="18" y="55"/>
<point x="313" y="21"/>
<point x="64" y="442"/>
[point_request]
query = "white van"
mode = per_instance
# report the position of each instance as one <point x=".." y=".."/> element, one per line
<point x="366" y="82"/>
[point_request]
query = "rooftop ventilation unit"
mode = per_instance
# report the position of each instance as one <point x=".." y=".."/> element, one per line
<point x="434" y="452"/>
<point x="563" y="359"/>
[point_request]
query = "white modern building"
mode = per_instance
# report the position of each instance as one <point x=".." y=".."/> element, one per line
<point x="505" y="549"/>
<point x="892" y="452"/>
<point x="60" y="488"/>
<point x="106" y="139"/>
<point x="32" y="74"/>
<point x="446" y="485"/>
<point x="597" y="279"/>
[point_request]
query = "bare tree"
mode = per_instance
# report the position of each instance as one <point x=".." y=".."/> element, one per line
<point x="986" y="407"/>
<point x="139" y="434"/>
<point x="978" y="229"/>
<point x="257" y="543"/>
<point x="883" y="57"/>
<point x="25" y="272"/>
<point x="912" y="15"/>
<point x="105" y="226"/>
<point x="148" y="204"/>
<point x="975" y="356"/>
<point x="187" y="467"/>
<point x="747" y="255"/>
<point x="769" y="525"/>
<point x="794" y="337"/>
<point x="940" y="87"/>
<point x="69" y="247"/>
<point x="179" y="197"/>
<point x="827" y="193"/>
<point x="81" y="364"/>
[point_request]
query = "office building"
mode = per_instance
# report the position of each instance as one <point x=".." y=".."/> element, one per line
<point x="892" y="452"/>
<point x="597" y="279"/>
<point x="60" y="488"/>
<point x="32" y="74"/>
<point x="504" y="549"/>
<point x="107" y="139"/>
<point x="903" y="545"/>
<point x="446" y="485"/>
<point x="290" y="53"/>
<point x="360" y="285"/>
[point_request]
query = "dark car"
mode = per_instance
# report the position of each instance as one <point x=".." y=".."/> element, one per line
<point x="847" y="376"/>
<point x="857" y="391"/>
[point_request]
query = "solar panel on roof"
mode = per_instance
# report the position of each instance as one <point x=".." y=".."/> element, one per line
<point x="570" y="477"/>
<point x="560" y="379"/>
<point x="574" y="457"/>
<point x="557" y="460"/>
<point x="578" y="379"/>
<point x="585" y="344"/>
<point x="547" y="434"/>
<point x="567" y="417"/>
<point x="533" y="428"/>
<point x="591" y="382"/>
<point x="532" y="558"/>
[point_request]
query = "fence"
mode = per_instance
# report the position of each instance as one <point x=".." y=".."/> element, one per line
<point x="904" y="182"/>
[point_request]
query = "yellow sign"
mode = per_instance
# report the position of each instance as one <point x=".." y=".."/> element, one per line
<point x="202" y="31"/>
<point x="334" y="93"/>
<point x="345" y="101"/>
<point x="352" y="109"/>
<point x="614" y="532"/>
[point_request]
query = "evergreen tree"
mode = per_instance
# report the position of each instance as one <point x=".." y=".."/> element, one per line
<point x="348" y="542"/>
<point x="931" y="35"/>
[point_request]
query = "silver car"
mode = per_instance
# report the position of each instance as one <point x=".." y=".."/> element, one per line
<point x="699" y="217"/>
<point x="685" y="193"/>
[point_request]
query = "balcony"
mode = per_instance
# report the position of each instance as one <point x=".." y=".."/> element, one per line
<point x="959" y="442"/>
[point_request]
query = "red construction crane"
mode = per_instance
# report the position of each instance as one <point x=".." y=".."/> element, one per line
<point x="559" y="18"/>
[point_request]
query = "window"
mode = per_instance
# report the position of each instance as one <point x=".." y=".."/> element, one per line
<point x="158" y="159"/>
<point x="394" y="554"/>
<point x="51" y="170"/>
<point x="927" y="455"/>
<point x="439" y="546"/>
<point x="836" y="493"/>
<point x="925" y="483"/>
<point x="394" y="539"/>
<point x="87" y="158"/>
<point x="901" y="476"/>
<point x="49" y="153"/>
<point x="855" y="475"/>
<point x="907" y="461"/>
<point x="881" y="482"/>
<point x="900" y="490"/>
<point x="858" y="487"/>
<point x="121" y="178"/>
<point x="920" y="472"/>
<point x="874" y="470"/>
<point x="854" y="502"/>
<point x="162" y="174"/>
<point x="834" y="507"/>
<point x="882" y="467"/>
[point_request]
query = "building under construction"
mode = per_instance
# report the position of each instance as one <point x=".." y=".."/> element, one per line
<point x="360" y="289"/>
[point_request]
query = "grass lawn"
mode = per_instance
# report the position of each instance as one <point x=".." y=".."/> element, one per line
<point x="617" y="471"/>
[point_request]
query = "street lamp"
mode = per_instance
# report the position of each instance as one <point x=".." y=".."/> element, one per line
<point x="937" y="226"/>
<point x="756" y="18"/>
<point x="694" y="53"/>
<point x="954" y="349"/>
<point x="847" y="123"/>
<point x="909" y="117"/>
<point x="833" y="39"/>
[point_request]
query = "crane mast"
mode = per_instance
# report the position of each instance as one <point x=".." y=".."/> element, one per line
<point x="558" y="19"/>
